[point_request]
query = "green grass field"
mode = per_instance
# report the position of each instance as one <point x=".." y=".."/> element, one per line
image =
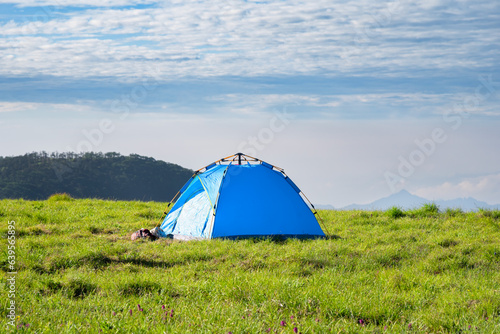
<point x="384" y="272"/>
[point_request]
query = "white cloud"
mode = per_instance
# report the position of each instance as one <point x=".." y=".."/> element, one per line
<point x="195" y="38"/>
<point x="16" y="106"/>
<point x="59" y="3"/>
<point x="33" y="106"/>
<point x="482" y="187"/>
<point x="336" y="105"/>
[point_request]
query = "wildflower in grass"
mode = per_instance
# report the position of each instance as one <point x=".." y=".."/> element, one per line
<point x="291" y="317"/>
<point x="114" y="313"/>
<point x="163" y="307"/>
<point x="130" y="312"/>
<point x="409" y="325"/>
<point x="138" y="306"/>
<point x="317" y="320"/>
<point x="283" y="323"/>
<point x="295" y="330"/>
<point x="27" y="325"/>
<point x="385" y="328"/>
<point x="171" y="313"/>
<point x="268" y="330"/>
<point x="361" y="322"/>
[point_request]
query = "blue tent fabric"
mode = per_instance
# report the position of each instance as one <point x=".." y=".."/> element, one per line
<point x="211" y="181"/>
<point x="233" y="201"/>
<point x="190" y="214"/>
<point x="179" y="219"/>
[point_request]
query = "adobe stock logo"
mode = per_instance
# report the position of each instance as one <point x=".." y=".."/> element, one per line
<point x="266" y="135"/>
<point x="428" y="146"/>
<point x="121" y="107"/>
<point x="406" y="168"/>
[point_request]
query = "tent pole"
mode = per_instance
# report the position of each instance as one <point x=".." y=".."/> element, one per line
<point x="220" y="160"/>
<point x="316" y="213"/>
<point x="173" y="200"/>
<point x="165" y="211"/>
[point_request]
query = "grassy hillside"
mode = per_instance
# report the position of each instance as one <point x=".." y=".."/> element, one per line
<point x="392" y="272"/>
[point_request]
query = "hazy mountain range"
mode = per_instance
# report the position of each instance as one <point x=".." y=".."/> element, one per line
<point x="405" y="201"/>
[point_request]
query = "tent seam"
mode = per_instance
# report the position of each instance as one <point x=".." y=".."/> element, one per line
<point x="217" y="201"/>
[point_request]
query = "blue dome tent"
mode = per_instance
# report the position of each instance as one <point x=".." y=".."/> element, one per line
<point x="239" y="197"/>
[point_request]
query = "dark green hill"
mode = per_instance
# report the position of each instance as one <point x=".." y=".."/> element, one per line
<point x="90" y="175"/>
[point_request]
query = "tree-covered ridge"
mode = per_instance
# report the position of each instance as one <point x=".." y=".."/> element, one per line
<point x="90" y="175"/>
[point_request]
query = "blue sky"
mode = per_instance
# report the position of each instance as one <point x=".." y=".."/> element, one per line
<point x="346" y="95"/>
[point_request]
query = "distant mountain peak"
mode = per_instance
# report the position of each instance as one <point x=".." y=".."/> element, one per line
<point x="403" y="194"/>
<point x="407" y="201"/>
